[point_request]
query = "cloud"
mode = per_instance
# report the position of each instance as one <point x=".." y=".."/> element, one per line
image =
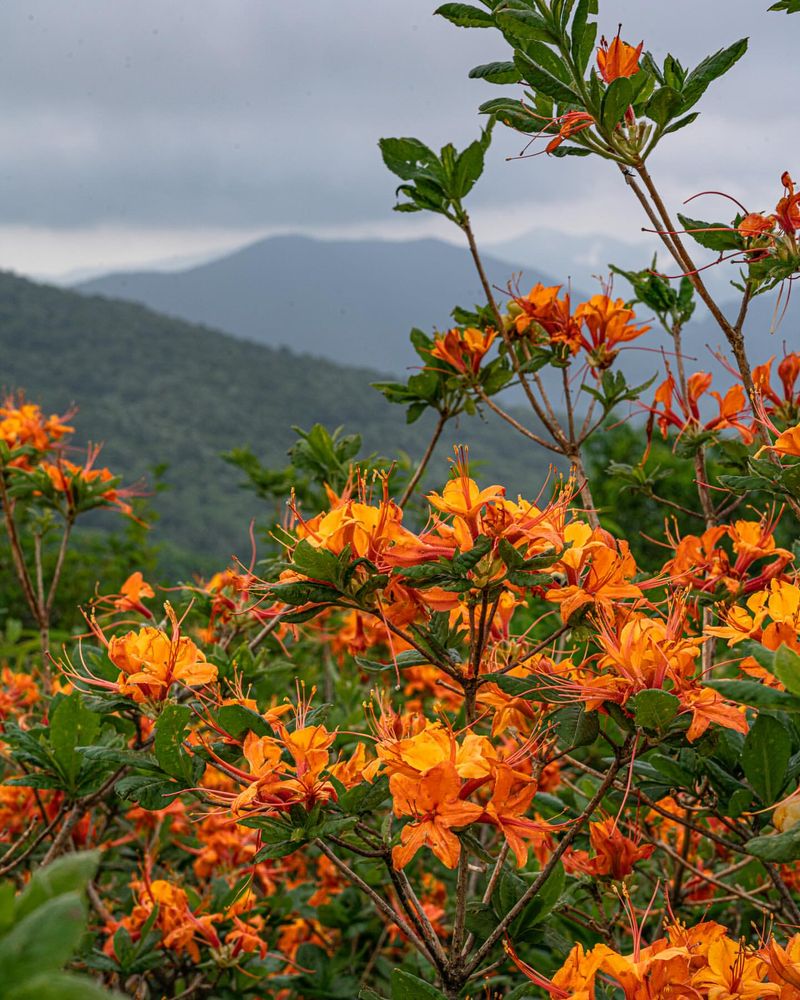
<point x="244" y="115"/>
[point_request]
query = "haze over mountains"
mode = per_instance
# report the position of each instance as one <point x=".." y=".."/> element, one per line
<point x="354" y="301"/>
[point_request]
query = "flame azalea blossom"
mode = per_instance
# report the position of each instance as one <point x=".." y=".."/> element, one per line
<point x="131" y="594"/>
<point x="568" y="125"/>
<point x="463" y="349"/>
<point x="615" y="854"/>
<point x="150" y="662"/>
<point x="608" y="323"/>
<point x="783" y="966"/>
<point x="598" y="572"/>
<point x="434" y="803"/>
<point x="734" y="973"/>
<point x="618" y="59"/>
<point x="181" y="928"/>
<point x="68" y="478"/>
<point x="780" y="603"/>
<point x="732" y="407"/>
<point x="788" y="443"/>
<point x="23" y="425"/>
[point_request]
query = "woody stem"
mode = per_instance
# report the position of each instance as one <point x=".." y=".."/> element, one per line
<point x="423" y="462"/>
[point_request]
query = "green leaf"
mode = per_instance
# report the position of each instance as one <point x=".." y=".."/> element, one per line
<point x="756" y="695"/>
<point x="318" y="564"/>
<point x="710" y="69"/>
<point x="790" y="6"/>
<point x="786" y="667"/>
<point x="496" y="72"/>
<point x="542" y="81"/>
<point x="542" y="904"/>
<point x="72" y="725"/>
<point x="172" y="729"/>
<point x="408" y="987"/>
<point x="70" y="873"/>
<point x="664" y="105"/>
<point x="60" y="986"/>
<point x="616" y="101"/>
<point x="584" y="33"/>
<point x="654" y="709"/>
<point x="236" y="720"/>
<point x="367" y="994"/>
<point x="681" y="123"/>
<point x="780" y="848"/>
<point x="575" y="726"/>
<point x="150" y="791"/>
<point x="765" y="756"/>
<point x="711" y="235"/>
<point x="406" y="157"/>
<point x="42" y="941"/>
<point x="469" y="166"/>
<point x="463" y="15"/>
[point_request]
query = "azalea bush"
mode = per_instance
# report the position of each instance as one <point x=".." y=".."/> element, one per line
<point x="428" y="740"/>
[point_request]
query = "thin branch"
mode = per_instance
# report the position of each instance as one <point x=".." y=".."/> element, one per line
<point x="423" y="462"/>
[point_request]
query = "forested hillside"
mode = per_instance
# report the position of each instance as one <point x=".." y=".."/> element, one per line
<point x="159" y="390"/>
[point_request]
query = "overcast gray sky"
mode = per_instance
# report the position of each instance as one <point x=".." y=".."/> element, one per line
<point x="137" y="130"/>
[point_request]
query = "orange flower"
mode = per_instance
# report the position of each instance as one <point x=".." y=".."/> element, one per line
<point x="787" y="211"/>
<point x="609" y="323"/>
<point x="463" y="349"/>
<point x="544" y="308"/>
<point x="68" y="478"/>
<point x="18" y="691"/>
<point x="433" y="800"/>
<point x="601" y="576"/>
<point x="733" y="973"/>
<point x="506" y="809"/>
<point x="754" y="225"/>
<point x="23" y="425"/>
<point x="618" y="59"/>
<point x="788" y="443"/>
<point x="615" y="854"/>
<point x="568" y="125"/>
<point x="131" y="594"/>
<point x="783" y="965"/>
<point x="150" y="662"/>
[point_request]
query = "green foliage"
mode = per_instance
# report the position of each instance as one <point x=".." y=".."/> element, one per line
<point x="40" y="931"/>
<point x="435" y="182"/>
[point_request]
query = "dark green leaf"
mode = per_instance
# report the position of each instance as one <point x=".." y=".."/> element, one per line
<point x="72" y="725"/>
<point x="786" y="667"/>
<point x="408" y="987"/>
<point x="544" y="82"/>
<point x="463" y="15"/>
<point x="236" y="720"/>
<point x="711" y="235"/>
<point x="709" y="70"/>
<point x="765" y="756"/>
<point x="780" y="848"/>
<point x="616" y="101"/>
<point x="172" y="729"/>
<point x="654" y="709"/>
<point x="496" y="72"/>
<point x="756" y="695"/>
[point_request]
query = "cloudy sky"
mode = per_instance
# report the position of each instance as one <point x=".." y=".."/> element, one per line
<point x="135" y="132"/>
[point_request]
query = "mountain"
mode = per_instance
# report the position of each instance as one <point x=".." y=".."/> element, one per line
<point x="354" y="302"/>
<point x="348" y="301"/>
<point x="159" y="390"/>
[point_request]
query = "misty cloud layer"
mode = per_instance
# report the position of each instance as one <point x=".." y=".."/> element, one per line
<point x="246" y="114"/>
